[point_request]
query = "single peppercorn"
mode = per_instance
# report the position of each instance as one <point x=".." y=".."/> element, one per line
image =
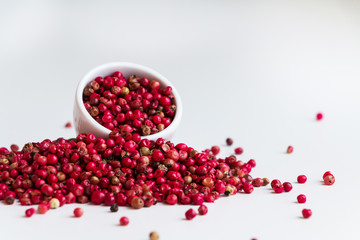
<point x="68" y="125"/>
<point x="215" y="150"/>
<point x="319" y="116"/>
<point x="154" y="236"/>
<point x="42" y="208"/>
<point x="306" y="213"/>
<point x="301" y="198"/>
<point x="266" y="181"/>
<point x="203" y="210"/>
<point x="238" y="150"/>
<point x="124" y="221"/>
<point x="301" y="179"/>
<point x="114" y="208"/>
<point x="54" y="203"/>
<point x="229" y="141"/>
<point x="329" y="180"/>
<point x="78" y="212"/>
<point x="287" y="186"/>
<point x="190" y="214"/>
<point x="290" y="149"/>
<point x="29" y="212"/>
<point x="137" y="203"/>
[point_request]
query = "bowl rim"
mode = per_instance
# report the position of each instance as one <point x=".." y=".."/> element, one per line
<point x="168" y="131"/>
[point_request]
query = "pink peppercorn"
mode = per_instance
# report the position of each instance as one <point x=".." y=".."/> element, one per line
<point x="329" y="180"/>
<point x="287" y="186"/>
<point x="42" y="208"/>
<point x="306" y="213"/>
<point x="190" y="214"/>
<point x="290" y="149"/>
<point x="319" y="116"/>
<point x="229" y="141"/>
<point x="301" y="198"/>
<point x="238" y="150"/>
<point x="68" y="125"/>
<point x="301" y="179"/>
<point x="275" y="182"/>
<point x="257" y="182"/>
<point x="29" y="212"/>
<point x="279" y="188"/>
<point x="215" y="150"/>
<point x="124" y="221"/>
<point x="171" y="199"/>
<point x="78" y="212"/>
<point x="248" y="187"/>
<point x="203" y="210"/>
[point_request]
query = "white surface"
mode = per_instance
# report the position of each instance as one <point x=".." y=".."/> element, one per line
<point x="84" y="123"/>
<point x="257" y="71"/>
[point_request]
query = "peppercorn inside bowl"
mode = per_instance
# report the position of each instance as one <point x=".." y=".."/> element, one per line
<point x="129" y="98"/>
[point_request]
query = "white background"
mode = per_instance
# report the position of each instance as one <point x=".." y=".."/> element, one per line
<point x="257" y="71"/>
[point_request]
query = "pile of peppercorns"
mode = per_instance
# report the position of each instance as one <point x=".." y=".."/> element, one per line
<point x="135" y="104"/>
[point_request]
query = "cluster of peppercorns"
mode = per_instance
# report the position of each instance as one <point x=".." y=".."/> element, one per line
<point x="122" y="169"/>
<point x="131" y="104"/>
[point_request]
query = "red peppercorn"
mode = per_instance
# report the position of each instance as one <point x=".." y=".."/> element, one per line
<point x="124" y="221"/>
<point x="203" y="210"/>
<point x="275" y="182"/>
<point x="319" y="116"/>
<point x="68" y="125"/>
<point x="301" y="198"/>
<point x="43" y="208"/>
<point x="329" y="180"/>
<point x="239" y="150"/>
<point x="306" y="213"/>
<point x="171" y="199"/>
<point x="248" y="188"/>
<point x="301" y="179"/>
<point x="229" y="141"/>
<point x="287" y="186"/>
<point x="97" y="197"/>
<point x="257" y="182"/>
<point x="190" y="214"/>
<point x="29" y="212"/>
<point x="215" y="150"/>
<point x="290" y="149"/>
<point x="279" y="188"/>
<point x="78" y="212"/>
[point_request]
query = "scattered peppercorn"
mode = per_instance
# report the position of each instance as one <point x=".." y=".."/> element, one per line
<point x="306" y="213"/>
<point x="266" y="181"/>
<point x="229" y="141"/>
<point x="68" y="125"/>
<point x="29" y="212"/>
<point x="319" y="116"/>
<point x="124" y="221"/>
<point x="114" y="208"/>
<point x="301" y="179"/>
<point x="287" y="186"/>
<point x="190" y="214"/>
<point x="154" y="236"/>
<point x="78" y="212"/>
<point x="203" y="210"/>
<point x="301" y="198"/>
<point x="238" y="150"/>
<point x="329" y="179"/>
<point x="290" y="149"/>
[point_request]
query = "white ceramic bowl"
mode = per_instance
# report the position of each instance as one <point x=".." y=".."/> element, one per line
<point x="84" y="123"/>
